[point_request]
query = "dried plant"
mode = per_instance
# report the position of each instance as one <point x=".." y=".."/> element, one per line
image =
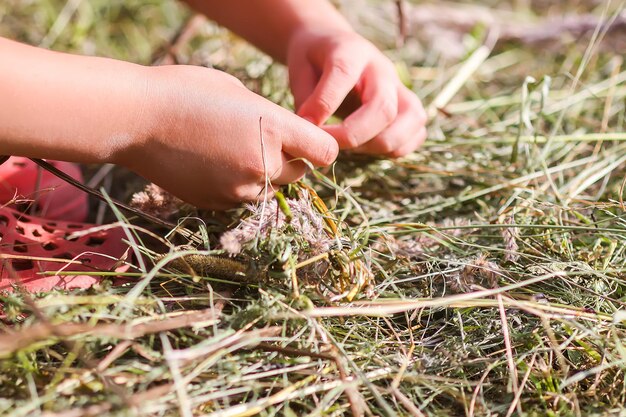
<point x="415" y="246"/>
<point x="281" y="237"/>
<point x="156" y="201"/>
<point x="429" y="341"/>
<point x="304" y="225"/>
<point x="510" y="235"/>
<point x="475" y="274"/>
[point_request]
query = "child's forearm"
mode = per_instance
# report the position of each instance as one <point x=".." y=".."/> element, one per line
<point x="271" y="24"/>
<point x="67" y="107"/>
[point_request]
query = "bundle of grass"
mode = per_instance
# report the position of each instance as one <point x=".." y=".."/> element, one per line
<point x="293" y="238"/>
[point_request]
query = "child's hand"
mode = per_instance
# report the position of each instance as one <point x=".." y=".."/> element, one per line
<point x="325" y="67"/>
<point x="204" y="145"/>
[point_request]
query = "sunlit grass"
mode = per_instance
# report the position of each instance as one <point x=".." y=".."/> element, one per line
<point x="497" y="252"/>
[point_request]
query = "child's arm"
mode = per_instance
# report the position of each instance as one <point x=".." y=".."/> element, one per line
<point x="193" y="131"/>
<point x="68" y="107"/>
<point x="327" y="60"/>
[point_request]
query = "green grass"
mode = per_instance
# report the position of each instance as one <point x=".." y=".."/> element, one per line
<point x="497" y="253"/>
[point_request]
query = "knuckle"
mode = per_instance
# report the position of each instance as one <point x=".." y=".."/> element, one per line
<point x="273" y="131"/>
<point x="351" y="139"/>
<point x="403" y="150"/>
<point x="252" y="172"/>
<point x="325" y="103"/>
<point x="256" y="170"/>
<point x="388" y="109"/>
<point x="341" y="65"/>
<point x="399" y="153"/>
<point x="386" y="146"/>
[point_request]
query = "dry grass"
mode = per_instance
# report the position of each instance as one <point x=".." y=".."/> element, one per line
<point x="498" y="251"/>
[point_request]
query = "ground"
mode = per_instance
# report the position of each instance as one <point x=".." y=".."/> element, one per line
<point x="481" y="276"/>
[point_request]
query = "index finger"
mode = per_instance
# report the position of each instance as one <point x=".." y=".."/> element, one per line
<point x="339" y="76"/>
<point x="378" y="111"/>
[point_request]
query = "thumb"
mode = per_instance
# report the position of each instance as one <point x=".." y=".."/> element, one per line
<point x="305" y="140"/>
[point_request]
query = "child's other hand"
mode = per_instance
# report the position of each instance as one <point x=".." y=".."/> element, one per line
<point x="203" y="143"/>
<point x="324" y="68"/>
